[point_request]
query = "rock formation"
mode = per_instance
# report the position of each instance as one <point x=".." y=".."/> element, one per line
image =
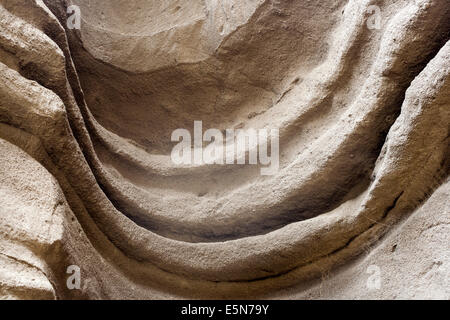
<point x="360" y="93"/>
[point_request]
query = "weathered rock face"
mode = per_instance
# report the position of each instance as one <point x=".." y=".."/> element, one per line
<point x="87" y="180"/>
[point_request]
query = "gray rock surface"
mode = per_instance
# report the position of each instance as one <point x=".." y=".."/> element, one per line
<point x="359" y="208"/>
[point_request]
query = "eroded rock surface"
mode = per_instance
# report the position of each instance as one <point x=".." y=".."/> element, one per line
<point x="86" y="177"/>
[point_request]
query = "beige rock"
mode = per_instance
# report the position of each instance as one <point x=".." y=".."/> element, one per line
<point x="87" y="180"/>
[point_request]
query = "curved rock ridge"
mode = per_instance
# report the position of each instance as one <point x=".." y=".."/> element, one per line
<point x="87" y="178"/>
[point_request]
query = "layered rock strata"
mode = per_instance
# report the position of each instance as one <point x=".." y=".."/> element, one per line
<point x="86" y="177"/>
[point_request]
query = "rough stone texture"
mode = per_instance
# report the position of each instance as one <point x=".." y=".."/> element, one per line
<point x="86" y="177"/>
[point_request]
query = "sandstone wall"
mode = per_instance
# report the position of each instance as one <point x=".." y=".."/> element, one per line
<point x="86" y="177"/>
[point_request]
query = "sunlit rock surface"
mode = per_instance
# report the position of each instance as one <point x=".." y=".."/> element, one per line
<point x="86" y="177"/>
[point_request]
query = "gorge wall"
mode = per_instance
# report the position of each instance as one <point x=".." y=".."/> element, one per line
<point x="86" y="177"/>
